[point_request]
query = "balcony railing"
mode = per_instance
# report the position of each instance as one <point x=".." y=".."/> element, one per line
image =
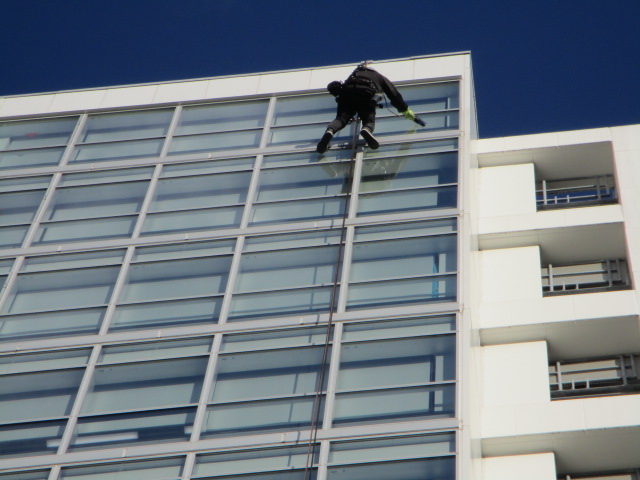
<point x="576" y="192"/>
<point x="599" y="275"/>
<point x="594" y="377"/>
<point x="626" y="475"/>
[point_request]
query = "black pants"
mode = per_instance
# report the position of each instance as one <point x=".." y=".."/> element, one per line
<point x="348" y="106"/>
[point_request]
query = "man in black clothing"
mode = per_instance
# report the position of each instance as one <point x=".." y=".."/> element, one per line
<point x="361" y="93"/>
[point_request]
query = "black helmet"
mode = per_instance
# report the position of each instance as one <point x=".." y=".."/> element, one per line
<point x="335" y="88"/>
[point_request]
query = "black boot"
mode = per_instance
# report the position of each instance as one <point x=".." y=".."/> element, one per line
<point x="324" y="141"/>
<point x="369" y="138"/>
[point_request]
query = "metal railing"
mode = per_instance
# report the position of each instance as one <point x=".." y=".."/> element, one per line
<point x="623" y="475"/>
<point x="612" y="375"/>
<point x="599" y="275"/>
<point x="572" y="192"/>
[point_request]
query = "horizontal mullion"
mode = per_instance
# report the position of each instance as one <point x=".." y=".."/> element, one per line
<point x="408" y="277"/>
<point x="287" y="289"/>
<point x="310" y="394"/>
<point x="112" y="142"/>
<point x="406" y="237"/>
<point x="397" y="387"/>
<point x="425" y="187"/>
<point x="409" y="336"/>
<point x="169" y="299"/>
<point x="164" y="408"/>
<point x="296" y="199"/>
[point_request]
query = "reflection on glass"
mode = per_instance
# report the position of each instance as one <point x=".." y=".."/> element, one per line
<point x="51" y="324"/>
<point x="38" y="396"/>
<point x="222" y="117"/>
<point x="287" y="302"/>
<point x="400" y="126"/>
<point x="298" y="210"/>
<point x="215" y="141"/>
<point x="426" y="469"/>
<point x="192" y="220"/>
<point x="31" y="158"/>
<point x="166" y="314"/>
<point x="203" y="168"/>
<point x="276" y="460"/>
<point x="175" y="279"/>
<point x="138" y="386"/>
<point x="132" y="149"/>
<point x="59" y="290"/>
<point x="200" y="191"/>
<point x="31" y="438"/>
<point x="36" y="133"/>
<point x="110" y="127"/>
<point x="304" y="109"/>
<point x="19" y="207"/>
<point x="131" y="429"/>
<point x="157" y="469"/>
<point x="32" y="362"/>
<point x="92" y="229"/>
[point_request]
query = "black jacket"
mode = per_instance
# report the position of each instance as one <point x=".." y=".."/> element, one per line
<point x="363" y="77"/>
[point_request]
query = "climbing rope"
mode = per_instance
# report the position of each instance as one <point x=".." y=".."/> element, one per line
<point x="315" y="414"/>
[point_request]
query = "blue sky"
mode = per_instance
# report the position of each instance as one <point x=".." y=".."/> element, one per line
<point x="539" y="65"/>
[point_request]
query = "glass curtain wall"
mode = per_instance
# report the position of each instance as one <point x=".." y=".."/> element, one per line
<point x="167" y="279"/>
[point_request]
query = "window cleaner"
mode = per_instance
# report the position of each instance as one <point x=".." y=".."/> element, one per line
<point x="362" y="93"/>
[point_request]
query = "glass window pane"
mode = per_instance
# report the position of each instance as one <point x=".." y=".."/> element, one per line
<point x="183" y="250"/>
<point x="19" y="207"/>
<point x="40" y="475"/>
<point x="12" y="236"/>
<point x="274" y="339"/>
<point x="133" y="429"/>
<point x="154" y="350"/>
<point x="430" y="97"/>
<point x="126" y="126"/>
<point x="409" y="172"/>
<point x="434" y="122"/>
<point x="404" y="257"/>
<point x="287" y="268"/>
<point x="428" y="469"/>
<point x="298" y="210"/>
<point x="250" y="461"/>
<point x="192" y="220"/>
<point x="24" y="183"/>
<point x="175" y="279"/>
<point x="30" y="158"/>
<point x="398" y="328"/>
<point x="222" y="117"/>
<point x="258" y="417"/>
<point x="411" y="229"/>
<point x="397" y="362"/>
<point x="166" y="314"/>
<point x="157" y="469"/>
<point x="200" y="191"/>
<point x="59" y="290"/>
<point x="273" y="373"/>
<point x="90" y="229"/>
<point x="375" y="450"/>
<point x="292" y="240"/>
<point x="105" y="176"/>
<point x="304" y="134"/>
<point x="51" y="325"/>
<point x="30" y="439"/>
<point x="407" y="200"/>
<point x="202" y="168"/>
<point x="32" y="362"/>
<point x="304" y="158"/>
<point x="302" y="182"/>
<point x="298" y="474"/>
<point x="36" y="133"/>
<point x="288" y="302"/>
<point x="139" y="386"/>
<point x="34" y="396"/>
<point x="304" y="109"/>
<point x="97" y="201"/>
<point x="73" y="260"/>
<point x="395" y="405"/>
<point x="419" y="290"/>
<point x="211" y="142"/>
<point x="117" y="151"/>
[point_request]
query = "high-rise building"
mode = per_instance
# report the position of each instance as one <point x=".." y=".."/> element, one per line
<point x="190" y="291"/>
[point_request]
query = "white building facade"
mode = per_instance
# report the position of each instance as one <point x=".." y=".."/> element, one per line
<point x="190" y="291"/>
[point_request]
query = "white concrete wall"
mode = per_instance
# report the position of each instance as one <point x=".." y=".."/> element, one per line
<point x="446" y="66"/>
<point x="521" y="467"/>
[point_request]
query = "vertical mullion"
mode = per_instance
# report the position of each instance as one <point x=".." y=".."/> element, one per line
<point x="117" y="288"/>
<point x="54" y="473"/>
<point x="144" y="208"/>
<point x="347" y="253"/>
<point x="189" y="463"/>
<point x="334" y="364"/>
<point x="172" y="128"/>
<point x="323" y="460"/>
<point x="82" y="393"/>
<point x="251" y="193"/>
<point x="231" y="280"/>
<point x="10" y="281"/>
<point x="356" y="174"/>
<point x="207" y="388"/>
